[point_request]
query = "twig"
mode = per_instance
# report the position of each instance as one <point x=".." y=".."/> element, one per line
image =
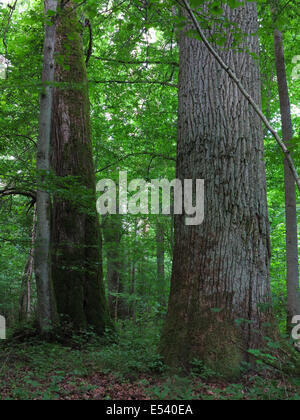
<point x="12" y="9"/>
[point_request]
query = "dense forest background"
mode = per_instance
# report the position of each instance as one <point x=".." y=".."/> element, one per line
<point x="132" y="61"/>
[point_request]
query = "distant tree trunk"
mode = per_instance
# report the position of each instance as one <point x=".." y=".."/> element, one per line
<point x="289" y="181"/>
<point x="112" y="232"/>
<point x="133" y="277"/>
<point x="160" y="258"/>
<point x="76" y="239"/>
<point x="172" y="234"/>
<point x="220" y="290"/>
<point x="122" y="307"/>
<point x="133" y="291"/>
<point x="46" y="303"/>
<point x="25" y="297"/>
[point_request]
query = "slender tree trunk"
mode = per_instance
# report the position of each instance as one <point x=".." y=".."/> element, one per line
<point x="172" y="234"/>
<point x="112" y="233"/>
<point x="133" y="291"/>
<point x="133" y="277"/>
<point x="132" y="308"/>
<point x="289" y="181"/>
<point x="220" y="290"/>
<point x="76" y="239"/>
<point x="160" y="258"/>
<point x="25" y="298"/>
<point x="46" y="303"/>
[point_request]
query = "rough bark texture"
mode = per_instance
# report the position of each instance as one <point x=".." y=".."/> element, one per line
<point x="46" y="304"/>
<point x="289" y="182"/>
<point x="220" y="268"/>
<point x="76" y="239"/>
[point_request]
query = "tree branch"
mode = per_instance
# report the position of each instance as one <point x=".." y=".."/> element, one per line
<point x="137" y="62"/>
<point x="12" y="9"/>
<point x="20" y="135"/>
<point x="14" y="191"/>
<point x="90" y="49"/>
<point x="132" y="82"/>
<point x="153" y="155"/>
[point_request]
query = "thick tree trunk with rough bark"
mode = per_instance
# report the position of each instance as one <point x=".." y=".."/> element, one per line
<point x="289" y="181"/>
<point x="220" y="292"/>
<point x="46" y="304"/>
<point x="76" y="239"/>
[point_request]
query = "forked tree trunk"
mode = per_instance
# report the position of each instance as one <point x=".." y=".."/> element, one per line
<point x="220" y="291"/>
<point x="289" y="181"/>
<point x="76" y="240"/>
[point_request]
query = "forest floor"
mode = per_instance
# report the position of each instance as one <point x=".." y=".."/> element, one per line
<point x="127" y="369"/>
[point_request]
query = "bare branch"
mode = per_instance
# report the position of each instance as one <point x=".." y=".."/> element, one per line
<point x="137" y="62"/>
<point x="132" y="82"/>
<point x="15" y="191"/>
<point x="12" y="9"/>
<point x="153" y="155"/>
<point x="90" y="48"/>
<point x="20" y="135"/>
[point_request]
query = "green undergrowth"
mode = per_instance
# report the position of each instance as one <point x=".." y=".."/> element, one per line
<point x="129" y="359"/>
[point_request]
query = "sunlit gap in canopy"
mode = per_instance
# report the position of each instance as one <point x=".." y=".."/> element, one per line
<point x="21" y="5"/>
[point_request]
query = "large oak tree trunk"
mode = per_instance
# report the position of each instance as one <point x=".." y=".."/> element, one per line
<point x="220" y="292"/>
<point x="76" y="239"/>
